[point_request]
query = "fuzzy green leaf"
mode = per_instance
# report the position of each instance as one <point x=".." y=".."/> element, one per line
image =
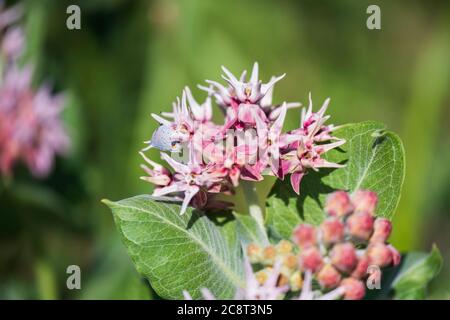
<point x="374" y="160"/>
<point x="174" y="252"/>
<point x="416" y="271"/>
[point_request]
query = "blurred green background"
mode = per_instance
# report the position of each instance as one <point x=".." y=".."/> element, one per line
<point x="132" y="58"/>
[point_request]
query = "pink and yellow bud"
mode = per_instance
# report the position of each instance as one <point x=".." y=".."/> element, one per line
<point x="381" y="230"/>
<point x="365" y="201"/>
<point x="262" y="275"/>
<point x="332" y="230"/>
<point x="284" y="247"/>
<point x="380" y="254"/>
<point x="360" y="225"/>
<point x="305" y="235"/>
<point x="353" y="289"/>
<point x="343" y="257"/>
<point x="311" y="259"/>
<point x="254" y="253"/>
<point x="329" y="277"/>
<point x="338" y="204"/>
<point x="290" y="261"/>
<point x="296" y="281"/>
<point x="269" y="254"/>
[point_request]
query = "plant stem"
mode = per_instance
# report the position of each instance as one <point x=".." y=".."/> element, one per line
<point x="254" y="208"/>
<point x="45" y="280"/>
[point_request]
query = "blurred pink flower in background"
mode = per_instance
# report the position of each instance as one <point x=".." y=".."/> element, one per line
<point x="31" y="130"/>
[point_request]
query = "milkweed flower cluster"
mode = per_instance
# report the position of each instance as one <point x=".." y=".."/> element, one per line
<point x="30" y="127"/>
<point x="324" y="262"/>
<point x="248" y="145"/>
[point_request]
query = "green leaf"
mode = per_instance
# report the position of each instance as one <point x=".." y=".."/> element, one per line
<point x="177" y="252"/>
<point x="374" y="161"/>
<point x="416" y="271"/>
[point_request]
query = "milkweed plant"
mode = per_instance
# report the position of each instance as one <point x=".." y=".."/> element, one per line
<point x="324" y="229"/>
<point x="322" y="232"/>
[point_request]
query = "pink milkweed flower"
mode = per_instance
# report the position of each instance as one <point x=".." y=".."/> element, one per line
<point x="239" y="90"/>
<point x="183" y="124"/>
<point x="231" y="163"/>
<point x="271" y="140"/>
<point x="200" y="112"/>
<point x="248" y="109"/>
<point x="189" y="123"/>
<point x="190" y="179"/>
<point x="9" y="15"/>
<point x="158" y="175"/>
<point x="312" y="124"/>
<point x="306" y="153"/>
<point x="30" y="125"/>
<point x="13" y="43"/>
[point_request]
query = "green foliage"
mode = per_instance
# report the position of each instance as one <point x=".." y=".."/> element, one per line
<point x="416" y="271"/>
<point x="374" y="160"/>
<point x="176" y="252"/>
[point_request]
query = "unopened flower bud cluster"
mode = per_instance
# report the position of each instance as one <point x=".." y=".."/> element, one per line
<point x="336" y="254"/>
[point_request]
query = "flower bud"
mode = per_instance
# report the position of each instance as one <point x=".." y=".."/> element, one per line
<point x="290" y="261"/>
<point x="396" y="256"/>
<point x="254" y="253"/>
<point x="353" y="289"/>
<point x="381" y="230"/>
<point x="262" y="275"/>
<point x="268" y="255"/>
<point x="304" y="235"/>
<point x="329" y="277"/>
<point x="311" y="259"/>
<point x="338" y="204"/>
<point x="360" y="225"/>
<point x="296" y="281"/>
<point x="361" y="267"/>
<point x="284" y="247"/>
<point x="332" y="230"/>
<point x="380" y="254"/>
<point x="343" y="256"/>
<point x="365" y="201"/>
